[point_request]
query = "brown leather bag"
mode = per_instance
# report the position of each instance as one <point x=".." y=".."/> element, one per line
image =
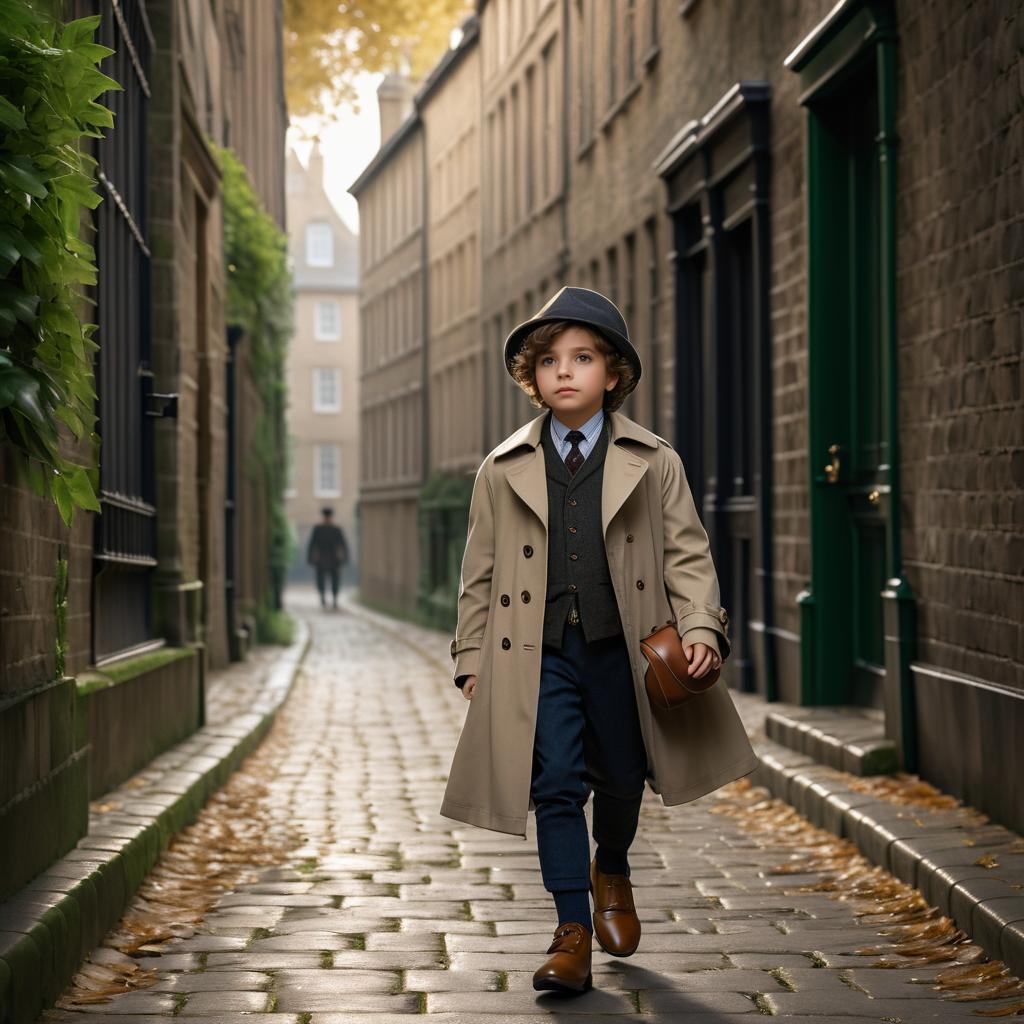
<point x="667" y="681"/>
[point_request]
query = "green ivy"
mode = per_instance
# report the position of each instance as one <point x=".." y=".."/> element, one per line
<point x="48" y="87"/>
<point x="260" y="300"/>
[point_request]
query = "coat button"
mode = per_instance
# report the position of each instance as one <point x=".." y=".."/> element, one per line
<point x="572" y="529"/>
<point x="572" y="587"/>
<point x="629" y="538"/>
<point x="525" y="595"/>
<point x="506" y="643"/>
<point x="572" y="501"/>
<point x="724" y="616"/>
<point x="527" y="550"/>
<point x="639" y="584"/>
<point x="574" y="556"/>
<point x="505" y="600"/>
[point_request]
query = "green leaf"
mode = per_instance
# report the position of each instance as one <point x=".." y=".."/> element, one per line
<point x="20" y="389"/>
<point x="62" y="496"/>
<point x="19" y="175"/>
<point x="10" y="116"/>
<point x="18" y="302"/>
<point x="98" y="114"/>
<point x="81" y="489"/>
<point x="79" y="31"/>
<point x="67" y="415"/>
<point x="14" y="246"/>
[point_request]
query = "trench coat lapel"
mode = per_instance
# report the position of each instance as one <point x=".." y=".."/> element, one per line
<point x="523" y="467"/>
<point x="524" y="470"/>
<point x="622" y="472"/>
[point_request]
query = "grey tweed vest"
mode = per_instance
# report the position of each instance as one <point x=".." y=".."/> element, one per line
<point x="577" y="562"/>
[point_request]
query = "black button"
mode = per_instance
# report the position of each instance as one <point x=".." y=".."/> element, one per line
<point x="525" y="595"/>
<point x="574" y="556"/>
<point x="572" y="501"/>
<point x="527" y="550"/>
<point x="639" y="584"/>
<point x="506" y="643"/>
<point x="629" y="538"/>
<point x="505" y="600"/>
<point x="572" y="529"/>
<point x="572" y="586"/>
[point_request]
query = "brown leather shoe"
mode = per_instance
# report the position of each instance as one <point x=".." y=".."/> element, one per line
<point x="616" y="926"/>
<point x="568" y="968"/>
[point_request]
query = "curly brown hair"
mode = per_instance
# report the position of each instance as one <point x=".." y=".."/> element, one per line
<point x="538" y="341"/>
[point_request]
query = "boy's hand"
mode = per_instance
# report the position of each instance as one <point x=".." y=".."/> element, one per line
<point x="702" y="659"/>
<point x="468" y="687"/>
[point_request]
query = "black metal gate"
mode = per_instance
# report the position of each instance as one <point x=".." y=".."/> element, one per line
<point x="125" y="533"/>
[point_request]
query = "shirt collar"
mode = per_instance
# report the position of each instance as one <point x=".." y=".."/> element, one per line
<point x="590" y="429"/>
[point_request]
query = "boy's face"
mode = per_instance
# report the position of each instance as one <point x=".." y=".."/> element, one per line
<point x="572" y="376"/>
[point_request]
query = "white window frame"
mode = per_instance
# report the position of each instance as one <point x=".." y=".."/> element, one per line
<point x="319" y="333"/>
<point x="319" y="254"/>
<point x="319" y="491"/>
<point x="318" y="403"/>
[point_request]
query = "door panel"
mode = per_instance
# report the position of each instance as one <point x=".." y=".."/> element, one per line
<point x="737" y="504"/>
<point x="849" y="445"/>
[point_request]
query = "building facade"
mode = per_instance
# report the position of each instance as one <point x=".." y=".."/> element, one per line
<point x="525" y="183"/>
<point x="109" y="627"/>
<point x="394" y="431"/>
<point x="448" y="105"/>
<point x="806" y="214"/>
<point x="323" y="363"/>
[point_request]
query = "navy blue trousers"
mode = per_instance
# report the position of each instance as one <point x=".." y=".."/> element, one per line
<point x="588" y="739"/>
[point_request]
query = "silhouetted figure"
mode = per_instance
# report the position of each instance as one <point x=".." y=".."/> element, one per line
<point x="327" y="553"/>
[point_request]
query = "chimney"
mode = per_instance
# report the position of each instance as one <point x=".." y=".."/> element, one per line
<point x="315" y="170"/>
<point x="394" y="101"/>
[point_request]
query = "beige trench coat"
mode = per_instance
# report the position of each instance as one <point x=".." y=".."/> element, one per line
<point x="651" y="532"/>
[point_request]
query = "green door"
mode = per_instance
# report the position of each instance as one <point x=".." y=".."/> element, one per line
<point x="857" y="614"/>
<point x="849" y="452"/>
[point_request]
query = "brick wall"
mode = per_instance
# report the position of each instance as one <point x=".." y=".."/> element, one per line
<point x="42" y="770"/>
<point x="961" y="279"/>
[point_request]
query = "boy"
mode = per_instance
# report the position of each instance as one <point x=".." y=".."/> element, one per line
<point x="557" y="703"/>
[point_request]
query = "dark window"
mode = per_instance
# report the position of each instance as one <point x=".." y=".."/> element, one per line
<point x="125" y="533"/>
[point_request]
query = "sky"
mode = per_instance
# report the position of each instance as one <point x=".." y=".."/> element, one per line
<point x="348" y="144"/>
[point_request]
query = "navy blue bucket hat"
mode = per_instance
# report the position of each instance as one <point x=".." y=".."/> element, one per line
<point x="583" y="306"/>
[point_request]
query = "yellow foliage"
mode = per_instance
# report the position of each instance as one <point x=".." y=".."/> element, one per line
<point x="328" y="42"/>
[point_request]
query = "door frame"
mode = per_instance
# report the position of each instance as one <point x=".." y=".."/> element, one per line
<point x="855" y="30"/>
<point x="720" y="165"/>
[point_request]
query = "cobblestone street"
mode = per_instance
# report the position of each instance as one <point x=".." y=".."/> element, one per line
<point x="386" y="908"/>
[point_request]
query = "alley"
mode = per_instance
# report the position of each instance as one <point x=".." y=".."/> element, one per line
<point x="381" y="907"/>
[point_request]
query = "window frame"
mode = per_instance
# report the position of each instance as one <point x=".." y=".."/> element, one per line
<point x="319" y="406"/>
<point x="318" y="334"/>
<point x="320" y="491"/>
<point x="328" y="234"/>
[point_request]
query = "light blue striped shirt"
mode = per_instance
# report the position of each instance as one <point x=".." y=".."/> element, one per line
<point x="591" y="431"/>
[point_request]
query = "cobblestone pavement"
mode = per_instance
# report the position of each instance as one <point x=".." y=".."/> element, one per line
<point x="387" y="909"/>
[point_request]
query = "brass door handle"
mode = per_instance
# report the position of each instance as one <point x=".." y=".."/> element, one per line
<point x="832" y="468"/>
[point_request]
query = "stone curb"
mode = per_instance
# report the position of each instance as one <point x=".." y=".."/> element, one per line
<point x="49" y="926"/>
<point x="935" y="851"/>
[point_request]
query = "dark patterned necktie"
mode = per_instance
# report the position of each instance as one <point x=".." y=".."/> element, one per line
<point x="574" y="459"/>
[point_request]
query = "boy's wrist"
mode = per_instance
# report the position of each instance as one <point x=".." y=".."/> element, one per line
<point x="702" y="635"/>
